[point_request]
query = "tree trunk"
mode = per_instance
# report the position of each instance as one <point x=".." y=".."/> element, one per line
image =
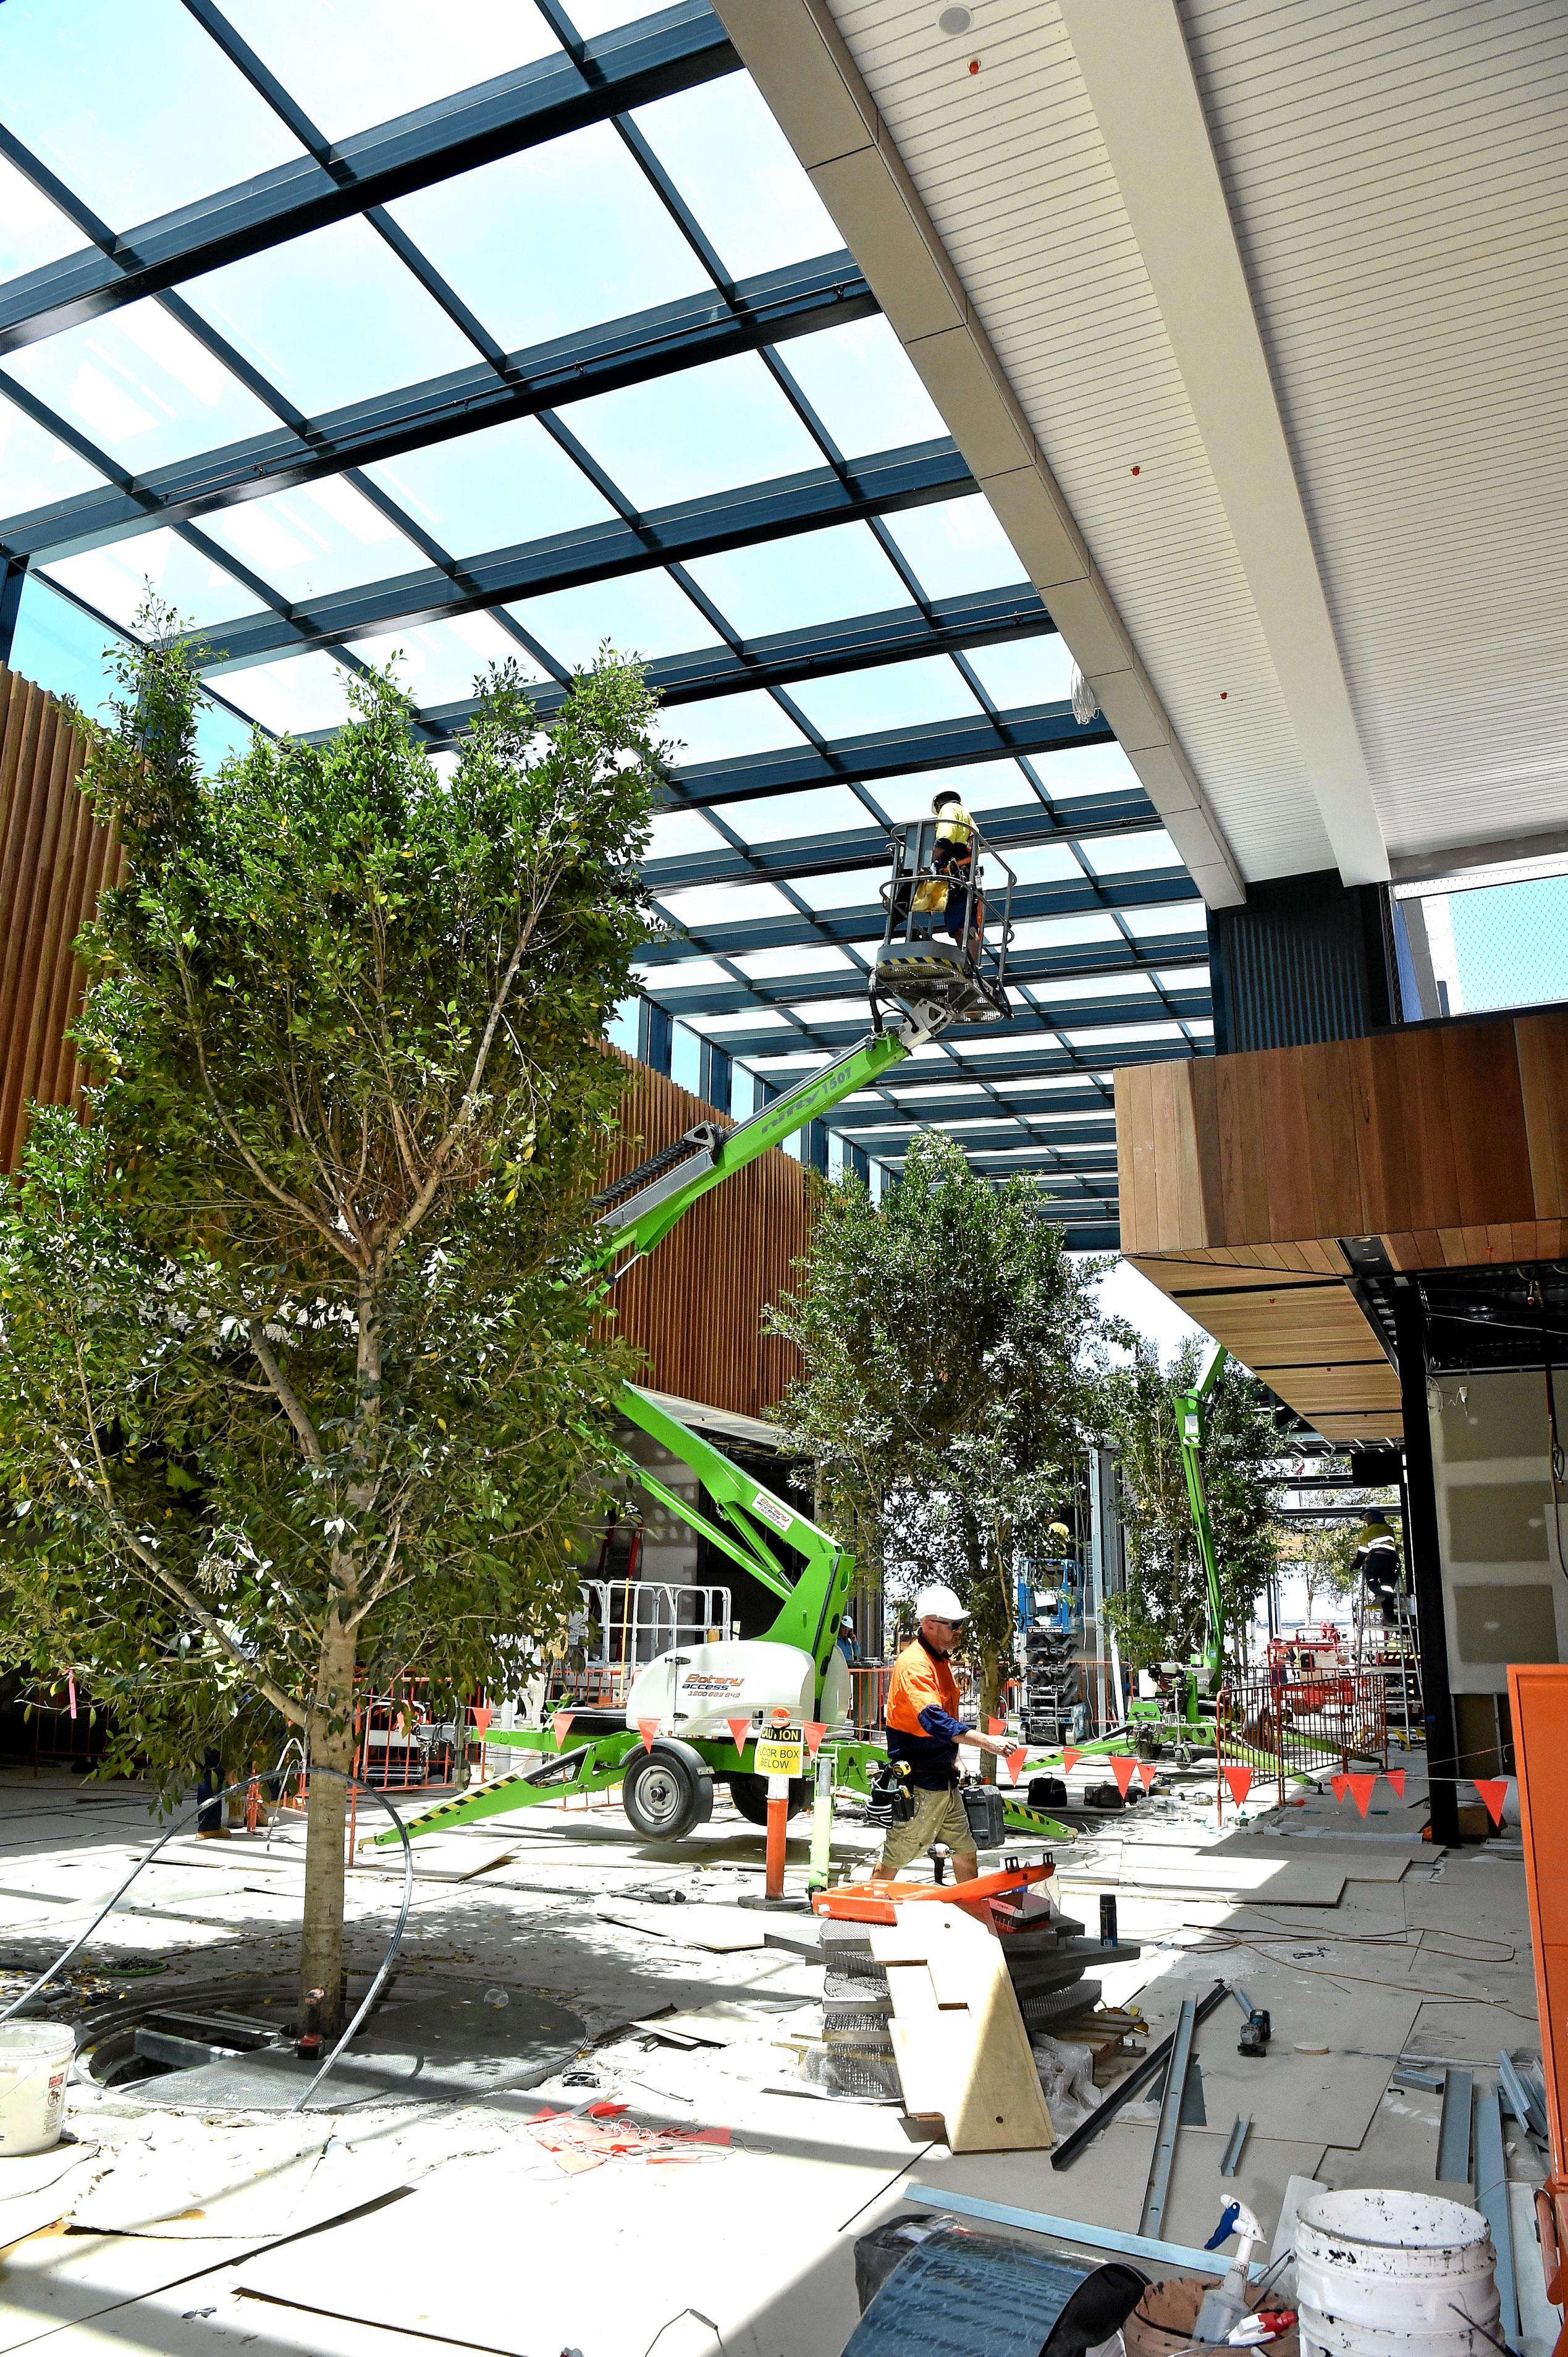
<point x="331" y="1749"/>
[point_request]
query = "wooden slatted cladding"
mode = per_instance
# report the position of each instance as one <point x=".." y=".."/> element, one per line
<point x="696" y="1305"/>
<point x="1449" y="1141"/>
<point x="54" y="861"/>
<point x="1445" y="1141"/>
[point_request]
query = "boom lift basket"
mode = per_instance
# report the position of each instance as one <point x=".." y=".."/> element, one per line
<point x="947" y="933"/>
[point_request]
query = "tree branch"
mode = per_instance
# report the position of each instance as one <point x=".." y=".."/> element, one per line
<point x="287" y="1397"/>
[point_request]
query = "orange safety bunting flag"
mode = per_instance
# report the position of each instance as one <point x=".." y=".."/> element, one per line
<point x="1240" y="1780"/>
<point x="1339" y="1786"/>
<point x="1016" y="1759"/>
<point x="483" y="1714"/>
<point x="813" y="1729"/>
<point x="1494" y="1791"/>
<point x="559" y="1726"/>
<point x="739" y="1729"/>
<point x="648" y="1728"/>
<point x="1147" y="1772"/>
<point x="1361" y="1790"/>
<point x="1069" y="1759"/>
<point x="1396" y="1778"/>
<point x="1123" y="1768"/>
<point x="996" y="1726"/>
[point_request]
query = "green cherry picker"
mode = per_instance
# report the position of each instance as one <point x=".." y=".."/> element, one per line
<point x="707" y="1705"/>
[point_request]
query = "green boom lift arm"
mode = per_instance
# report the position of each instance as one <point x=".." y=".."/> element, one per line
<point x="1189" y="1423"/>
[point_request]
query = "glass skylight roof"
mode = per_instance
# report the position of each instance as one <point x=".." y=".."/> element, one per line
<point x="135" y="108"/>
<point x="140" y="387"/>
<point x="118" y="579"/>
<point x="619" y="244"/>
<point x="553" y="240"/>
<point x="351" y="63"/>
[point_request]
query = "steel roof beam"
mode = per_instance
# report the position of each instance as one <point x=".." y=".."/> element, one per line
<point x="982" y="619"/>
<point x="1022" y="826"/>
<point x="982" y="1062"/>
<point x="1121" y="1015"/>
<point x="1038" y="968"/>
<point x="1093" y="1125"/>
<point x="801" y="301"/>
<point x="1070" y="895"/>
<point x="652" y="59"/>
<point x="882" y="484"/>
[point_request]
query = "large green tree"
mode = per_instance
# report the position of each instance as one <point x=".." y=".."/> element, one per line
<point x="298" y="1374"/>
<point x="950" y="1349"/>
<point x="1161" y="1616"/>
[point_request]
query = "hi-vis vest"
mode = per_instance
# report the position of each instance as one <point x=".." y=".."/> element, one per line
<point x="955" y="826"/>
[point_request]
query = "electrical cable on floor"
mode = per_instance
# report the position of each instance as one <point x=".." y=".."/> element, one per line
<point x="268" y="1776"/>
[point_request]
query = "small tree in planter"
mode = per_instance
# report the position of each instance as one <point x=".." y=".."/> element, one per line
<point x="297" y="1367"/>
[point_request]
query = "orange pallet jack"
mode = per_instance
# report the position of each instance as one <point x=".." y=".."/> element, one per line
<point x="1538" y="1698"/>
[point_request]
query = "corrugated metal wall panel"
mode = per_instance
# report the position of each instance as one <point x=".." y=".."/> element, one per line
<point x="1012" y="167"/>
<point x="696" y="1309"/>
<point x="1398" y="177"/>
<point x="53" y="861"/>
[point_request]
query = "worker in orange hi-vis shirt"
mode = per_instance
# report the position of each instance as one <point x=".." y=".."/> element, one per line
<point x="925" y="1729"/>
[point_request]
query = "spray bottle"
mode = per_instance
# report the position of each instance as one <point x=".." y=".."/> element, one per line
<point x="1225" y="2304"/>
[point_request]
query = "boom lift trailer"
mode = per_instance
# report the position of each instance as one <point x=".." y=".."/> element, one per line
<point x="921" y="987"/>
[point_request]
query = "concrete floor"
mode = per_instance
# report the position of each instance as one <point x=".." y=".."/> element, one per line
<point x="456" y="2184"/>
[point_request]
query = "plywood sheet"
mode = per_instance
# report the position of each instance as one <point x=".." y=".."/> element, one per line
<point x="964" y="2054"/>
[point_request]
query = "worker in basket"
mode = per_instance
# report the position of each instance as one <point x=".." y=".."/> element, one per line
<point x="924" y="1730"/>
<point x="952" y="856"/>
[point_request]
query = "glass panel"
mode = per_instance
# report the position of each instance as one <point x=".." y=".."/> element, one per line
<point x="62" y="648"/>
<point x="313" y="539"/>
<point x="1044" y="863"/>
<point x="863" y="388"/>
<point x="1172" y="917"/>
<point x="686" y="1057"/>
<point x="755" y="1019"/>
<point x="1141" y="1034"/>
<point x="887" y="696"/>
<point x="803" y="817"/>
<point x="819" y="576"/>
<point x="589" y="18"/>
<point x="1087" y="769"/>
<point x="723" y="904"/>
<point x="1125" y="855"/>
<point x="707" y="429"/>
<point x="1062" y="932"/>
<point x="1064" y="990"/>
<point x="1184" y="977"/>
<point x="352" y="63"/>
<point x="135" y="108"/>
<point x="438" y="661"/>
<point x="496" y="489"/>
<point x="682" y="835"/>
<point x="141" y="387"/>
<point x="301" y="693"/>
<point x="984" y="786"/>
<point x="644" y="614"/>
<point x="738" y="173"/>
<point x="956" y="546"/>
<point x="330" y="318"/>
<point x="32" y="230"/>
<point x="681" y="973"/>
<point x="37" y="469"/>
<point x="724" y="729"/>
<point x="831" y="1010"/>
<point x="765" y="965"/>
<point x="118" y="579"/>
<point x="553" y="240"/>
<point x="1023" y="672"/>
<point x="846" y="888"/>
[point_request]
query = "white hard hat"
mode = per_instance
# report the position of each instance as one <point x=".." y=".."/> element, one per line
<point x="938" y="1603"/>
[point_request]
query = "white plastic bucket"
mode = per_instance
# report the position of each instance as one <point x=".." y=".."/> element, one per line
<point x="34" y="2063"/>
<point x="1395" y="2274"/>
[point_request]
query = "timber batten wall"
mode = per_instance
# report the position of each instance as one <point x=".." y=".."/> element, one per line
<point x="696" y="1309"/>
<point x="55" y="859"/>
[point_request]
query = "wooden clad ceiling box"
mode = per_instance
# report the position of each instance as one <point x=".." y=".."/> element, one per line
<point x="1243" y="1178"/>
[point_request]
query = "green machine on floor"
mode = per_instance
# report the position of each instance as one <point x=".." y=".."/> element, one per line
<point x="700" y="1695"/>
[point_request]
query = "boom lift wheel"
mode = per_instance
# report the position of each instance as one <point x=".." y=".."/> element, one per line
<point x="749" y="1794"/>
<point x="665" y="1796"/>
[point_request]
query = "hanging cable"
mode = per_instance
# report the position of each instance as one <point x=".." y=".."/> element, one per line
<point x="269" y="1776"/>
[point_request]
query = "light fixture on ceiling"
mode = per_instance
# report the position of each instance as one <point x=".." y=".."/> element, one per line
<point x="954" y="21"/>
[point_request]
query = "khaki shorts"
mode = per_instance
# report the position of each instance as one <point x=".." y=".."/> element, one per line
<point x="939" y="1816"/>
